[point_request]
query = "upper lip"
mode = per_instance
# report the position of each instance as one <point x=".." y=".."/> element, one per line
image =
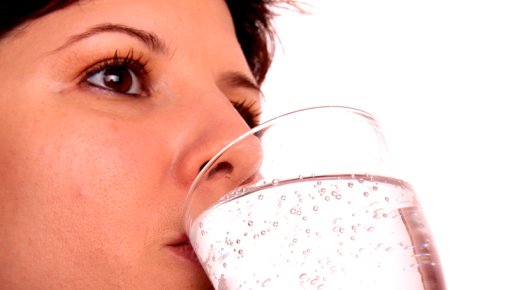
<point x="182" y="247"/>
<point x="181" y="241"/>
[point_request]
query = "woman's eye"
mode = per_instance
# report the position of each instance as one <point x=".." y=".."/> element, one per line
<point x="117" y="78"/>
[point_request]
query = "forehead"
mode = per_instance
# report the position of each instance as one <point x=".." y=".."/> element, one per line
<point x="191" y="27"/>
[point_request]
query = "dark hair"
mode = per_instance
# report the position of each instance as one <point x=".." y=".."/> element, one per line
<point x="252" y="22"/>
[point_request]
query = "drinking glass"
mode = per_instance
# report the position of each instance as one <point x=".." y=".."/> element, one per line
<point x="310" y="200"/>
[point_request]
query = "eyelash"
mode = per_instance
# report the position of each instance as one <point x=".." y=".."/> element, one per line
<point x="137" y="65"/>
<point x="249" y="112"/>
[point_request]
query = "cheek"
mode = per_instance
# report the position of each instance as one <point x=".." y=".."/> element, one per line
<point x="88" y="175"/>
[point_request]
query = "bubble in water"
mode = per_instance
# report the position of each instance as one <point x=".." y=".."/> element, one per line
<point x="266" y="282"/>
<point x="353" y="238"/>
<point x="315" y="280"/>
<point x="263" y="232"/>
<point x="224" y="265"/>
<point x="350" y="184"/>
<point x="338" y="229"/>
<point x="374" y="188"/>
<point x="240" y="251"/>
<point x="302" y="276"/>
<point x="250" y="223"/>
<point x="326" y="198"/>
<point x="371" y="229"/>
<point x="275" y="181"/>
<point x="283" y="197"/>
<point x="388" y="249"/>
<point x="387" y="199"/>
<point x="320" y="287"/>
<point x="201" y="225"/>
<point x="305" y="218"/>
<point x="322" y="190"/>
<point x="315" y="208"/>
<point x="307" y="231"/>
<point x="293" y="210"/>
<point x="275" y="224"/>
<point x="366" y="194"/>
<point x="238" y="241"/>
<point x="261" y="197"/>
<point x="256" y="236"/>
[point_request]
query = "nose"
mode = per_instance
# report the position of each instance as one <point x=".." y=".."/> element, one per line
<point x="227" y="166"/>
<point x="207" y="134"/>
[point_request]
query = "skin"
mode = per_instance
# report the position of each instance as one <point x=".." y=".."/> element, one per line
<point x="92" y="182"/>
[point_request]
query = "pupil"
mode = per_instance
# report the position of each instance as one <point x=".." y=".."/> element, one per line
<point x="118" y="79"/>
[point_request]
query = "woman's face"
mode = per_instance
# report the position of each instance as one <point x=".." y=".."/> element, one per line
<point x="108" y="110"/>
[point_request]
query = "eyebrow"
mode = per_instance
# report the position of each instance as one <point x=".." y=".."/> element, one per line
<point x="148" y="38"/>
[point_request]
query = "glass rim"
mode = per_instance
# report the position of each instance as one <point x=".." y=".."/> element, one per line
<point x="264" y="125"/>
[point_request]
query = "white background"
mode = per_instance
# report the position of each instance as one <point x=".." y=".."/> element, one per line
<point x="436" y="74"/>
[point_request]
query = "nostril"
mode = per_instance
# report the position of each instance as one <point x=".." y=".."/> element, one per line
<point x="202" y="167"/>
<point x="224" y="167"/>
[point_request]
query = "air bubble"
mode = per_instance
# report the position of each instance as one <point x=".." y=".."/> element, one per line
<point x="338" y="229"/>
<point x="266" y="282"/>
<point x="302" y="276"/>
<point x="374" y="188"/>
<point x="315" y="208"/>
<point x="387" y="199"/>
<point x="283" y="197"/>
<point x="275" y="224"/>
<point x="350" y="184"/>
<point x="366" y="194"/>
<point x="371" y="229"/>
<point x="238" y="241"/>
<point x="224" y="265"/>
<point x="322" y="190"/>
<point x="250" y="223"/>
<point x="263" y="232"/>
<point x="256" y="236"/>
<point x="315" y="281"/>
<point x="275" y="181"/>
<point x="261" y="197"/>
<point x="293" y="211"/>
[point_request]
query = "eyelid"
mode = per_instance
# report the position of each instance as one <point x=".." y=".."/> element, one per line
<point x="249" y="111"/>
<point x="138" y="65"/>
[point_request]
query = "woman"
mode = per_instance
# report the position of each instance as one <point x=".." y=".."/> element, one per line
<point x="109" y="109"/>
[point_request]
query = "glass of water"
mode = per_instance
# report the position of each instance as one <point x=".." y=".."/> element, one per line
<point x="310" y="200"/>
